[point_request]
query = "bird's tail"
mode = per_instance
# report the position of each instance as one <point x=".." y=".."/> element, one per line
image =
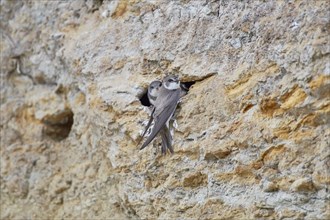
<point x="166" y="140"/>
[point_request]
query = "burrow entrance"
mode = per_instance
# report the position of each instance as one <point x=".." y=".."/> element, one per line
<point x="58" y="126"/>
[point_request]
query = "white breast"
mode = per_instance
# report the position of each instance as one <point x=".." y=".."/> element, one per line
<point x="154" y="92"/>
<point x="172" y="86"/>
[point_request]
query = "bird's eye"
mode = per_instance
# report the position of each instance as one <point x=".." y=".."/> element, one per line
<point x="151" y="87"/>
<point x="170" y="80"/>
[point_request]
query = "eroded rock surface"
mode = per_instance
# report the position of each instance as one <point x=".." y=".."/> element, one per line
<point x="253" y="134"/>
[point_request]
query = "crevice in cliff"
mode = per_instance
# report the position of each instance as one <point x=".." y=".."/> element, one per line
<point x="185" y="86"/>
<point x="144" y="99"/>
<point x="58" y="127"/>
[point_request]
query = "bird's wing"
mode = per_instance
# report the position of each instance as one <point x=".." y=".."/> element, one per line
<point x="162" y="114"/>
<point x="148" y="125"/>
<point x="167" y="103"/>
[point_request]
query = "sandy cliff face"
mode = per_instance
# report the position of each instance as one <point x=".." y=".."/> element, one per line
<point x="253" y="135"/>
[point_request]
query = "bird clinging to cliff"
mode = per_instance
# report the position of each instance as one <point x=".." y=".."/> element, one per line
<point x="153" y="91"/>
<point x="164" y="107"/>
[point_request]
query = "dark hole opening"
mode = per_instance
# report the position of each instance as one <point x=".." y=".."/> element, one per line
<point x="184" y="86"/>
<point x="58" y="126"/>
<point x="144" y="99"/>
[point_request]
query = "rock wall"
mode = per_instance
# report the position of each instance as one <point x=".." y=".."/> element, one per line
<point x="253" y="135"/>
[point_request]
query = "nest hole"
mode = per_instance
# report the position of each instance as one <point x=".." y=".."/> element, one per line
<point x="58" y="126"/>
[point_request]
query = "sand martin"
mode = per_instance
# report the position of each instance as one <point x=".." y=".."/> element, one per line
<point x="153" y="91"/>
<point x="164" y="107"/>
